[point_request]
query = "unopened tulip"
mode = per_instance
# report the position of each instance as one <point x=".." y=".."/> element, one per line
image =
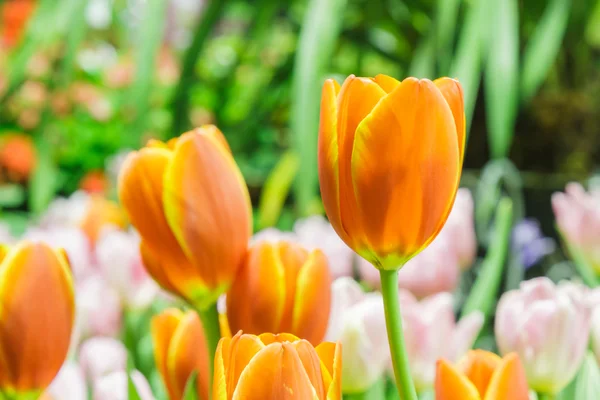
<point x="276" y="367"/>
<point x="432" y="332"/>
<point x="481" y="375"/>
<point x="548" y="326"/>
<point x="100" y="356"/>
<point x="578" y="217"/>
<point x="99" y="308"/>
<point x="390" y="155"/>
<point x="36" y="318"/>
<point x="114" y="386"/>
<point x="281" y="287"/>
<point x="189" y="202"/>
<point x="459" y="230"/>
<point x="357" y="322"/>
<point x="179" y="350"/>
<point x="69" y="384"/>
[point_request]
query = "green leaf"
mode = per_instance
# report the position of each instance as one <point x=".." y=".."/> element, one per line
<point x="44" y="180"/>
<point x="190" y="392"/>
<point x="587" y="381"/>
<point x="582" y="265"/>
<point x="11" y="195"/>
<point x="318" y="37"/>
<point x="502" y="76"/>
<point x="132" y="393"/>
<point x="276" y="189"/>
<point x="543" y="46"/>
<point x="75" y="35"/>
<point x="446" y="19"/>
<point x="423" y="62"/>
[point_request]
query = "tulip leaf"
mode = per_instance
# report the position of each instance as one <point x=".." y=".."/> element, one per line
<point x="190" y="392"/>
<point x="423" y="62"/>
<point x="502" y="76"/>
<point x="587" y="381"/>
<point x="543" y="47"/>
<point x="132" y="393"/>
<point x="11" y="195"/>
<point x="276" y="189"/>
<point x="320" y="30"/>
<point x="446" y="19"/>
<point x="44" y="180"/>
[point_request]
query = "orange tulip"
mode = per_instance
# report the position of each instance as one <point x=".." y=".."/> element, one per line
<point x="99" y="214"/>
<point x="482" y="375"/>
<point x="390" y="155"/>
<point x="18" y="156"/>
<point x="37" y="310"/>
<point x="281" y="287"/>
<point x="188" y="200"/>
<point x="276" y="367"/>
<point x="179" y="350"/>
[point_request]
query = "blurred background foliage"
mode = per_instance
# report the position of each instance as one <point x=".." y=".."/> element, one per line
<point x="82" y="81"/>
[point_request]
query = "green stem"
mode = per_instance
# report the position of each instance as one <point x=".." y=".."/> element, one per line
<point x="546" y="396"/>
<point x="210" y="323"/>
<point x="375" y="392"/>
<point x="393" y="320"/>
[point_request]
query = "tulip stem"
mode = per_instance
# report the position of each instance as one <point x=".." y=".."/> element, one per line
<point x="546" y="396"/>
<point x="393" y="321"/>
<point x="210" y="323"/>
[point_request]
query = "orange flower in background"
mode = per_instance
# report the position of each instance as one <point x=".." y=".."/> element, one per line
<point x="482" y="375"/>
<point x="276" y="367"/>
<point x="390" y="155"/>
<point x="189" y="201"/>
<point x="17" y="156"/>
<point x="101" y="213"/>
<point x="15" y="14"/>
<point x="281" y="287"/>
<point x="95" y="182"/>
<point x="179" y="350"/>
<point x="37" y="310"/>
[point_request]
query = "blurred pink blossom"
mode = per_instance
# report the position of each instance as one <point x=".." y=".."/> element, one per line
<point x="66" y="211"/>
<point x="69" y="384"/>
<point x="357" y="321"/>
<point x="100" y="356"/>
<point x="577" y="214"/>
<point x="548" y="326"/>
<point x="459" y="230"/>
<point x="119" y="259"/>
<point x="99" y="309"/>
<point x="114" y="386"/>
<point x="432" y="332"/>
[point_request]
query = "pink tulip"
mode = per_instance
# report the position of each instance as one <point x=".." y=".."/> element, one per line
<point x="432" y="332"/>
<point x="100" y="356"/>
<point x="99" y="309"/>
<point x="548" y="326"/>
<point x="357" y="321"/>
<point x="69" y="384"/>
<point x="434" y="270"/>
<point x="114" y="386"/>
<point x="119" y="259"/>
<point x="577" y="214"/>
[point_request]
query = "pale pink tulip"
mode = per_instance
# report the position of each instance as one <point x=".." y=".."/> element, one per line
<point x="100" y="356"/>
<point x="357" y="321"/>
<point x="432" y="332"/>
<point x="114" y="386"/>
<point x="548" y="326"/>
<point x="99" y="309"/>
<point x="69" y="384"/>
<point x="577" y="214"/>
<point x="119" y="259"/>
<point x="459" y="230"/>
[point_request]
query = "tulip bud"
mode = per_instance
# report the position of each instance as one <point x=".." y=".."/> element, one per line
<point x="390" y="155"/>
<point x="270" y="367"/>
<point x="357" y="322"/>
<point x="115" y="386"/>
<point x="179" y="350"/>
<point x="37" y="310"/>
<point x="281" y="287"/>
<point x="548" y="326"/>
<point x="100" y="356"/>
<point x="189" y="202"/>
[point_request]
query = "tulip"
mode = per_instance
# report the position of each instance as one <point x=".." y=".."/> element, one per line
<point x="481" y="375"/>
<point x="101" y="213"/>
<point x="357" y="322"/>
<point x="548" y="326"/>
<point x="36" y="317"/>
<point x="99" y="308"/>
<point x="281" y="287"/>
<point x="191" y="206"/>
<point x="13" y="20"/>
<point x="95" y="182"/>
<point x="100" y="356"/>
<point x="18" y="156"/>
<point x="390" y="155"/>
<point x="269" y="367"/>
<point x="179" y="350"/>
<point x="578" y="217"/>
<point x="432" y="332"/>
<point x="114" y="386"/>
<point x="69" y="384"/>
<point x="459" y="230"/>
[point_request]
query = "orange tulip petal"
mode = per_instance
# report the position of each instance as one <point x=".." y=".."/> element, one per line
<point x="357" y="98"/>
<point x="405" y="169"/>
<point x="312" y="299"/>
<point x="162" y="328"/>
<point x="219" y="387"/>
<point x="188" y="353"/>
<point x="255" y="302"/>
<point x="276" y="372"/>
<point x="268" y="338"/>
<point x="206" y="200"/>
<point x="331" y="359"/>
<point x="242" y="350"/>
<point x="293" y="257"/>
<point x="509" y="381"/>
<point x="450" y="384"/>
<point x="387" y="83"/>
<point x="452" y="91"/>
<point x="157" y="270"/>
<point x="37" y="310"/>
<point x="479" y="366"/>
